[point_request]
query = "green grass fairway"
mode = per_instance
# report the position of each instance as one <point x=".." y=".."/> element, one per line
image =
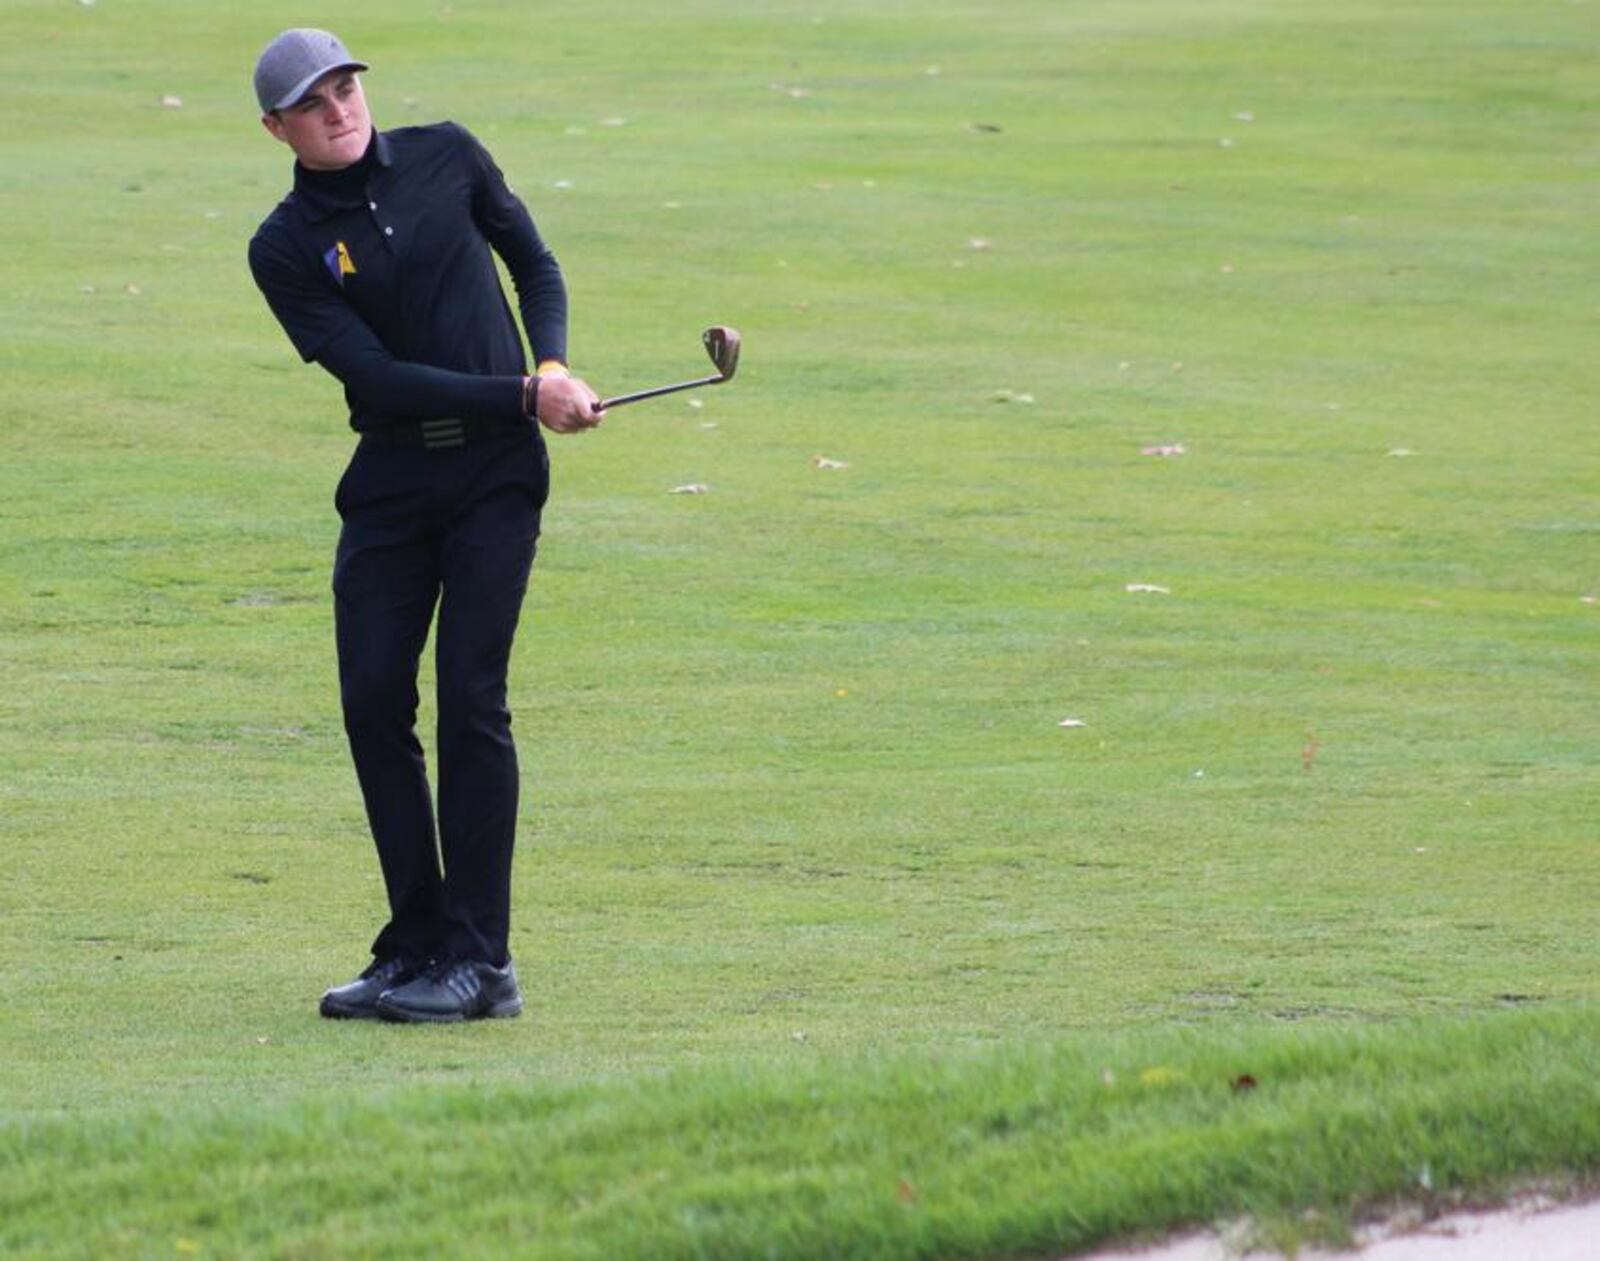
<point x="802" y="823"/>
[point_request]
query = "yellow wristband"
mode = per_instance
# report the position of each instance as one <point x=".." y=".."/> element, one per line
<point x="553" y="368"/>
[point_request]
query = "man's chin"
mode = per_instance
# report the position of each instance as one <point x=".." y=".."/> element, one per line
<point x="343" y="151"/>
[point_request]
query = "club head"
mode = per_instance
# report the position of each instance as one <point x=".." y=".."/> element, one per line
<point x="722" y="344"/>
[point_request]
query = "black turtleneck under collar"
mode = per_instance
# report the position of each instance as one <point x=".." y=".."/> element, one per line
<point x="343" y="189"/>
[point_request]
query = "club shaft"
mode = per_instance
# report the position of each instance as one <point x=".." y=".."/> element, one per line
<point x="659" y="390"/>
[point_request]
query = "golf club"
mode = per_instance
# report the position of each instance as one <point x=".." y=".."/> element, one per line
<point x="722" y="344"/>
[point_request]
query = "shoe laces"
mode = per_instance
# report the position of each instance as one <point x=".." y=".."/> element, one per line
<point x="386" y="968"/>
<point x="441" y="967"/>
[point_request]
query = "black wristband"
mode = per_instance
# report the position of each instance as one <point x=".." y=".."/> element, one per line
<point x="530" y="397"/>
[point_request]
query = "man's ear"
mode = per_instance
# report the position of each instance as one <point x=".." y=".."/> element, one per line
<point x="274" y="124"/>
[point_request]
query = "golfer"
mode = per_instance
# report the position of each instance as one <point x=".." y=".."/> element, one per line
<point x="378" y="266"/>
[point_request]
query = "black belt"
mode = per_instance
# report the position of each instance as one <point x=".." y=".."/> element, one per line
<point x="438" y="434"/>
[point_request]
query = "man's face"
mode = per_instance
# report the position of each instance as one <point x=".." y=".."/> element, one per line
<point x="329" y="127"/>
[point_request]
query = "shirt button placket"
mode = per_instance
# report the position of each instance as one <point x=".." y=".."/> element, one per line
<point x="388" y="231"/>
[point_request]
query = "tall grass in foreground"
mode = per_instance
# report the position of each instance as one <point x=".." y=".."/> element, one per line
<point x="1010" y="1153"/>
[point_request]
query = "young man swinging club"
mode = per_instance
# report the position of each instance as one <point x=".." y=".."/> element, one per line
<point x="378" y="266"/>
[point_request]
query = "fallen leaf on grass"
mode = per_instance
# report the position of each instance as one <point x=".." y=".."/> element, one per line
<point x="690" y="488"/>
<point x="1165" y="448"/>
<point x="1244" y="1083"/>
<point x="905" y="1192"/>
<point x="1146" y="588"/>
<point x="822" y="461"/>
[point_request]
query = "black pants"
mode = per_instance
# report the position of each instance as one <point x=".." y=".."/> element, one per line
<point x="457" y="529"/>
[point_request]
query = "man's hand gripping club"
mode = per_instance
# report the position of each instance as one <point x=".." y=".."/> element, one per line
<point x="563" y="404"/>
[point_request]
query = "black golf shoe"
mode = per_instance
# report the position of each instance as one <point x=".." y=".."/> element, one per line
<point x="455" y="989"/>
<point x="358" y="1000"/>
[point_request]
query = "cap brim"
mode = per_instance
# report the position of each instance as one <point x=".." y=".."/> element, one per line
<point x="294" y="95"/>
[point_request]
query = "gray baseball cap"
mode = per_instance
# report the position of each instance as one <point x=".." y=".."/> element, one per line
<point x="291" y="63"/>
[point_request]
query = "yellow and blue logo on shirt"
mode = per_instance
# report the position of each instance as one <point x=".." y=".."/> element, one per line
<point x="339" y="261"/>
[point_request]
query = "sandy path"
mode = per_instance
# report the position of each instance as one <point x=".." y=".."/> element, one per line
<point x="1533" y="1233"/>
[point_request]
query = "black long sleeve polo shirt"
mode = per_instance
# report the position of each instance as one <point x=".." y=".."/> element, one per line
<point x="385" y="278"/>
